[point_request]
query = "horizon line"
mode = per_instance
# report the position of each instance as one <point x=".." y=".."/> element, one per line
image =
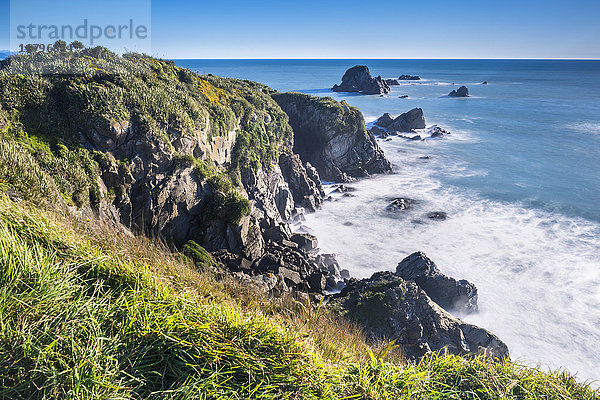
<point x="387" y="58"/>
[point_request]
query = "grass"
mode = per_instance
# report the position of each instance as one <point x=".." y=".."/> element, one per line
<point x="89" y="313"/>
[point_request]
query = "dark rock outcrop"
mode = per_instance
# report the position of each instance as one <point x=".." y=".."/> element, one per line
<point x="461" y="92"/>
<point x="392" y="82"/>
<point x="359" y="79"/>
<point x="409" y="78"/>
<point x="408" y="121"/>
<point x="385" y="120"/>
<point x="405" y="122"/>
<point x="400" y="204"/>
<point x="447" y="292"/>
<point x="332" y="137"/>
<point x="389" y="307"/>
<point x="437" y="132"/>
<point x="303" y="181"/>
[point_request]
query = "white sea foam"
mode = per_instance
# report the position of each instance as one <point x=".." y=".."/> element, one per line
<point x="586" y="127"/>
<point x="537" y="273"/>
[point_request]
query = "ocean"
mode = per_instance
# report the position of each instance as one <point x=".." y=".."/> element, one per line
<point x="519" y="179"/>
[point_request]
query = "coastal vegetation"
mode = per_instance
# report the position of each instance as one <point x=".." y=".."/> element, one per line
<point x="90" y="311"/>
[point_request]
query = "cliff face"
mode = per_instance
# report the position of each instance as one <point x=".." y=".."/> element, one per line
<point x="153" y="147"/>
<point x="332" y="137"/>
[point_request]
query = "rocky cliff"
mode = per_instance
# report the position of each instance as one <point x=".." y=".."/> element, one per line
<point x="160" y="150"/>
<point x="331" y="136"/>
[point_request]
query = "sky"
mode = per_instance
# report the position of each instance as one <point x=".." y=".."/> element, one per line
<point x="362" y="29"/>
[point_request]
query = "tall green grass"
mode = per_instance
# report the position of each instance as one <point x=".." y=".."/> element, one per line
<point x="84" y="317"/>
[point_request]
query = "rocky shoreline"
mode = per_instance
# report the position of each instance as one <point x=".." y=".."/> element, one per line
<point x="331" y="142"/>
<point x="411" y="306"/>
<point x="228" y="176"/>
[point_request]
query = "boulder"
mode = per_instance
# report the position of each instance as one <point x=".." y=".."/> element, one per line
<point x="404" y="96"/>
<point x="305" y="241"/>
<point x="400" y="204"/>
<point x="291" y="278"/>
<point x="392" y="82"/>
<point x="277" y="233"/>
<point x="317" y="282"/>
<point x="385" y="120"/>
<point x="332" y="137"/>
<point x="388" y="307"/>
<point x="359" y="79"/>
<point x="408" y="121"/>
<point x="409" y="78"/>
<point x="437" y="132"/>
<point x="461" y="92"/>
<point x="447" y="292"/>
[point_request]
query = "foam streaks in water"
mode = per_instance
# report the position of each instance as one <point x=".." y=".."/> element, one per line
<point x="537" y="273"/>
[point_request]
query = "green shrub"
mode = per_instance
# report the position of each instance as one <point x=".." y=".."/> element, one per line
<point x="22" y="173"/>
<point x="198" y="254"/>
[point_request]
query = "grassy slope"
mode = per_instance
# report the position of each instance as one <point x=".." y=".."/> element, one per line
<point x="87" y="313"/>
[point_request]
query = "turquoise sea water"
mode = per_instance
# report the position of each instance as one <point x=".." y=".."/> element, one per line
<point x="519" y="178"/>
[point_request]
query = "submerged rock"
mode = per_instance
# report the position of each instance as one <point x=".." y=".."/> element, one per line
<point x="332" y="136"/>
<point x="461" y="92"/>
<point x="400" y="204"/>
<point x="437" y="215"/>
<point x="437" y="132"/>
<point x="359" y="79"/>
<point x="447" y="292"/>
<point x="387" y="306"/>
<point x="343" y="189"/>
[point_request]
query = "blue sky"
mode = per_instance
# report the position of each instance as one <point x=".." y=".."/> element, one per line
<point x="361" y="29"/>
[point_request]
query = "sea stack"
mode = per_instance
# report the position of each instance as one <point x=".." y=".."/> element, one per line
<point x="409" y="78"/>
<point x="359" y="79"/>
<point x="461" y="92"/>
